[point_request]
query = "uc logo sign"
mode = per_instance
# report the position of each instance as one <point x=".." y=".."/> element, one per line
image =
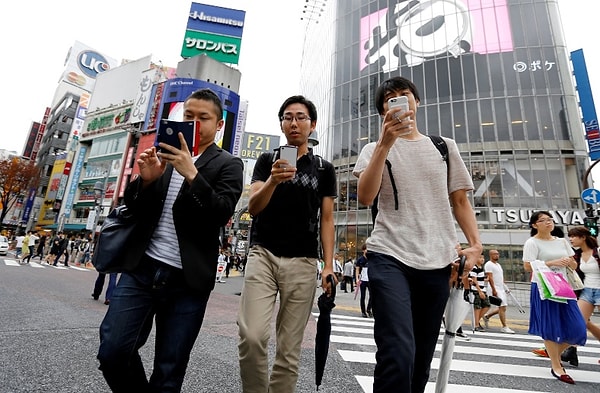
<point x="92" y="63"/>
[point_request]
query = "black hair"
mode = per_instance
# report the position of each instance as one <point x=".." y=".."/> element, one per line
<point x="208" y="95"/>
<point x="535" y="217"/>
<point x="394" y="84"/>
<point x="581" y="231"/>
<point x="312" y="110"/>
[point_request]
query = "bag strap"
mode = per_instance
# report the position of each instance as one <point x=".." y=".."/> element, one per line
<point x="595" y="254"/>
<point x="439" y="144"/>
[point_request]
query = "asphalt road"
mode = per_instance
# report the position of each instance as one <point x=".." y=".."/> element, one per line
<point x="49" y="338"/>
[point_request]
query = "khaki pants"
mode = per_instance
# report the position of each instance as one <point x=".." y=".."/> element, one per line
<point x="266" y="275"/>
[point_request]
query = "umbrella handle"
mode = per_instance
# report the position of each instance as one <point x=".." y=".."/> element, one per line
<point x="332" y="282"/>
<point x="461" y="266"/>
<point x="459" y="272"/>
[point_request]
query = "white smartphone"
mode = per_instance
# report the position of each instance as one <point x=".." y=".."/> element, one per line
<point x="398" y="102"/>
<point x="289" y="153"/>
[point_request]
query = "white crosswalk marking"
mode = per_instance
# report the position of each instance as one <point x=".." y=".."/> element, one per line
<point x="511" y="354"/>
<point x="38" y="265"/>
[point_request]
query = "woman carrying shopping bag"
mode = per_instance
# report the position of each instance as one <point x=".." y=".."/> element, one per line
<point x="558" y="324"/>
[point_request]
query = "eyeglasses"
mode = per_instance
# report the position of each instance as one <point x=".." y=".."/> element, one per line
<point x="544" y="221"/>
<point x="288" y="118"/>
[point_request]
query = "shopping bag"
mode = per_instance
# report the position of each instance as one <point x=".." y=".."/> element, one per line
<point x="552" y="285"/>
<point x="546" y="293"/>
<point x="574" y="279"/>
<point x="558" y="285"/>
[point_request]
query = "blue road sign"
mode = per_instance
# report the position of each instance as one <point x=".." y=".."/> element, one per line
<point x="590" y="196"/>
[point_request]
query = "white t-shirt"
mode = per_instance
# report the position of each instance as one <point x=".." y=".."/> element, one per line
<point x="421" y="233"/>
<point x="497" y="276"/>
<point x="547" y="250"/>
<point x="592" y="272"/>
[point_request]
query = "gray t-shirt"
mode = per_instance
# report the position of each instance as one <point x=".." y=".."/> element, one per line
<point x="421" y="233"/>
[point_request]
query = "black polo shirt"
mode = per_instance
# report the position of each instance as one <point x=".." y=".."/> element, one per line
<point x="289" y="225"/>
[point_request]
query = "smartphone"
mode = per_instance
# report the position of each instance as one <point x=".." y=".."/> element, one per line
<point x="398" y="102"/>
<point x="289" y="153"/>
<point x="168" y="131"/>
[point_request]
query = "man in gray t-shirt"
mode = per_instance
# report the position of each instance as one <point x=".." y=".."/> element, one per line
<point x="412" y="246"/>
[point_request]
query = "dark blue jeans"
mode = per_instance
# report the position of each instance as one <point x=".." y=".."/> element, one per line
<point x="408" y="305"/>
<point x="154" y="290"/>
<point x="99" y="285"/>
<point x="364" y="287"/>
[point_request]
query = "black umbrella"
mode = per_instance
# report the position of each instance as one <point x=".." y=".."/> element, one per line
<point x="326" y="304"/>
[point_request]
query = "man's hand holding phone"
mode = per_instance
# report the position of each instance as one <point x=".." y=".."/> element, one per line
<point x="181" y="159"/>
<point x="398" y="121"/>
<point x="284" y="168"/>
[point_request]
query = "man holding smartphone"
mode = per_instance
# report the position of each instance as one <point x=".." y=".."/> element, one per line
<point x="291" y="207"/>
<point x="180" y="203"/>
<point x="412" y="245"/>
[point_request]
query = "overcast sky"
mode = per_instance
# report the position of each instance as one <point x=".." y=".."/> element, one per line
<point x="36" y="36"/>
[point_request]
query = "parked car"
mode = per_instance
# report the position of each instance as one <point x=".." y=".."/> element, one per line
<point x="3" y="245"/>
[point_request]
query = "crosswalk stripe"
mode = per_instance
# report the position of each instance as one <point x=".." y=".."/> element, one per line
<point x="511" y="349"/>
<point x="592" y="348"/>
<point x="14" y="262"/>
<point x="366" y="383"/>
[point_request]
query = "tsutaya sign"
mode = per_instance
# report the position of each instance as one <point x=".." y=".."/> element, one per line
<point x="518" y="216"/>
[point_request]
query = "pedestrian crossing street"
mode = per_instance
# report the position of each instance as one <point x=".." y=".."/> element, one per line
<point x="490" y="362"/>
<point x="38" y="265"/>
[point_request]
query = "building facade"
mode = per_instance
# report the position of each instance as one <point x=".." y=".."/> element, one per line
<point x="493" y="75"/>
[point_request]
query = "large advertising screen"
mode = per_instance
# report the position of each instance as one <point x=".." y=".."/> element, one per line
<point x="178" y="89"/>
<point x="414" y="31"/>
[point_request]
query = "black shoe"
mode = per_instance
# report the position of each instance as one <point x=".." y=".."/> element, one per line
<point x="95" y="296"/>
<point x="370" y="314"/>
<point x="365" y="315"/>
<point x="570" y="355"/>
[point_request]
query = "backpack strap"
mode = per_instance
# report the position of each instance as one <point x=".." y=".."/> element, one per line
<point x="439" y="144"/>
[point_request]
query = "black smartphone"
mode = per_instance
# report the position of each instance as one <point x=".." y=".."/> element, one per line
<point x="168" y="131"/>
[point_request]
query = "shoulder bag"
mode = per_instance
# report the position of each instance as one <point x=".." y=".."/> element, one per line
<point x="113" y="241"/>
<point x="574" y="279"/>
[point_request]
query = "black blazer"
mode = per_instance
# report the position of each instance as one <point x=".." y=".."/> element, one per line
<point x="199" y="211"/>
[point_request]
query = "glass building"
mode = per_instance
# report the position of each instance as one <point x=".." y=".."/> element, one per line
<point x="494" y="75"/>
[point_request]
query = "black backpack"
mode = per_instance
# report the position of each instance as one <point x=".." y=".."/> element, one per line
<point x="439" y="143"/>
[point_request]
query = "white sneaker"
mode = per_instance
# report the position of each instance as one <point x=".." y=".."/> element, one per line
<point x="508" y="330"/>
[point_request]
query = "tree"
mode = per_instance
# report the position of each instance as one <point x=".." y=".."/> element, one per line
<point x="17" y="177"/>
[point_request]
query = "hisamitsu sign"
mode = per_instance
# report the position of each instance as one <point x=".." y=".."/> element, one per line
<point x="214" y="31"/>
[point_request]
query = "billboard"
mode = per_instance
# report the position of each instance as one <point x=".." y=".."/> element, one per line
<point x="34" y="132"/>
<point x="214" y="31"/>
<point x="396" y="37"/>
<point x="253" y="145"/>
<point x="83" y="64"/>
<point x="178" y="89"/>
<point x="586" y="101"/>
